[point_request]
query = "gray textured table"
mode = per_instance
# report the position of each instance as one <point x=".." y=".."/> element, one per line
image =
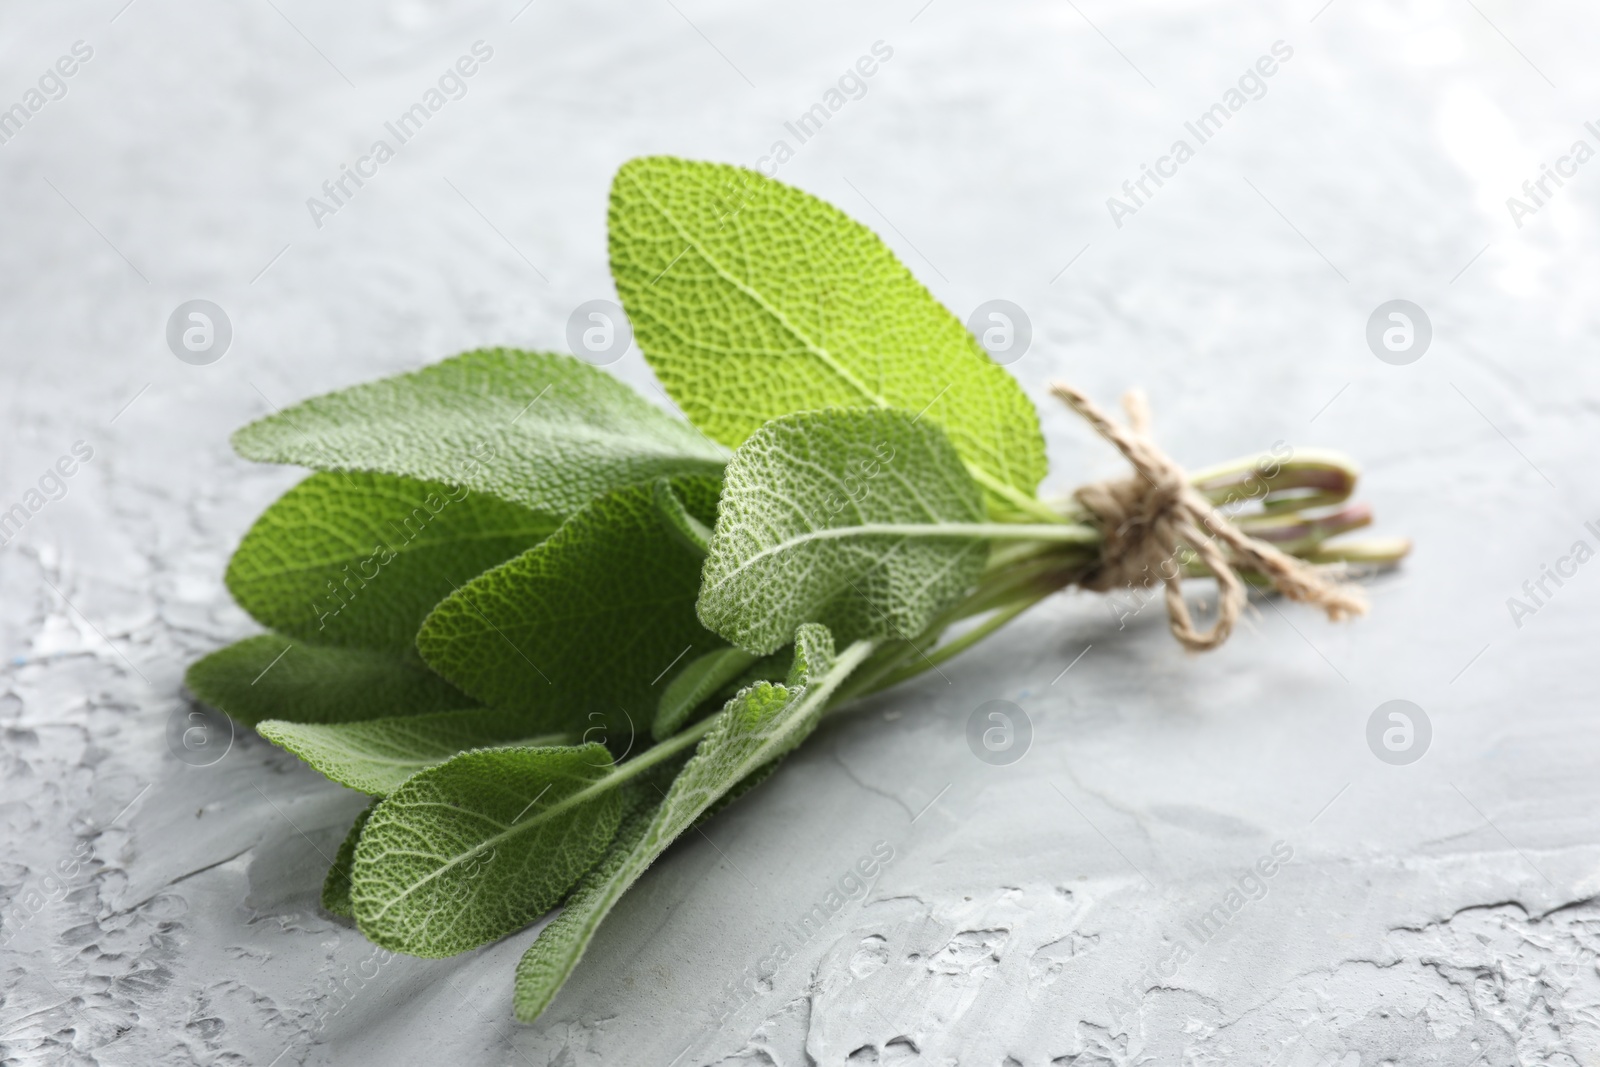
<point x="1053" y="911"/>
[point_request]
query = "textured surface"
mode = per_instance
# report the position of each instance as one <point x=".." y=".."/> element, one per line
<point x="799" y="538"/>
<point x="823" y="313"/>
<point x="1427" y="909"/>
<point x="593" y="618"/>
<point x="480" y="846"/>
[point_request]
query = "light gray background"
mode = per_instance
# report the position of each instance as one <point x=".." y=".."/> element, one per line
<point x="1437" y="913"/>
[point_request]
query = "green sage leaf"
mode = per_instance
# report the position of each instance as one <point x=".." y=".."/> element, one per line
<point x="864" y="521"/>
<point x="545" y="431"/>
<point x="360" y="559"/>
<point x="475" y="848"/>
<point x="756" y="728"/>
<point x="694" y="685"/>
<point x="273" y="677"/>
<point x="336" y="884"/>
<point x="547" y="963"/>
<point x="752" y="300"/>
<point x="377" y="756"/>
<point x="579" y="631"/>
<point x="684" y="526"/>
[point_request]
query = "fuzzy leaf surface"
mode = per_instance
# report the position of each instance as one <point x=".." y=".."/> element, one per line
<point x="273" y="677"/>
<point x="799" y="537"/>
<point x="545" y="431"/>
<point x="755" y="729"/>
<point x="475" y="848"/>
<point x="578" y="631"/>
<point x="377" y="756"/>
<point x="360" y="559"/>
<point x="752" y="300"/>
<point x="336" y="883"/>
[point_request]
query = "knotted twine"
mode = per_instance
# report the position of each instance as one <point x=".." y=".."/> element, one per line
<point x="1148" y="520"/>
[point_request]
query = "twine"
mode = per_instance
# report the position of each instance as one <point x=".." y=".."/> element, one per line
<point x="1151" y="517"/>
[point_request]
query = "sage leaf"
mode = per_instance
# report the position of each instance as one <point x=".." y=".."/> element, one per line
<point x="273" y="677"/>
<point x="360" y="559"/>
<point x="752" y="300"/>
<point x="378" y="755"/>
<point x="481" y="845"/>
<point x="684" y="526"/>
<point x="578" y="631"/>
<point x="545" y="431"/>
<point x="774" y="667"/>
<point x="547" y="963"/>
<point x="336" y="884"/>
<point x="694" y="684"/>
<point x="812" y="655"/>
<point x="864" y="521"/>
<point x="756" y="728"/>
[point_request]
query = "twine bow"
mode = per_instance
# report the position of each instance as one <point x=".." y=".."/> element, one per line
<point x="1150" y="518"/>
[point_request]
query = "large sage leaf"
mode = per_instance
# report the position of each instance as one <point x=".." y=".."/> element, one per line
<point x="378" y="755"/>
<point x="756" y="728"/>
<point x="360" y="559"/>
<point x="752" y="299"/>
<point x="864" y="521"/>
<point x="580" y="631"/>
<point x="542" y="430"/>
<point x="273" y="677"/>
<point x="479" y="846"/>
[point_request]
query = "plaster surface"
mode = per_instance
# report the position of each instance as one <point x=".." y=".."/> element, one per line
<point x="1441" y="912"/>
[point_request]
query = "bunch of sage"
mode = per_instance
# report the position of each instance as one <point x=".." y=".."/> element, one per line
<point x="548" y="626"/>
